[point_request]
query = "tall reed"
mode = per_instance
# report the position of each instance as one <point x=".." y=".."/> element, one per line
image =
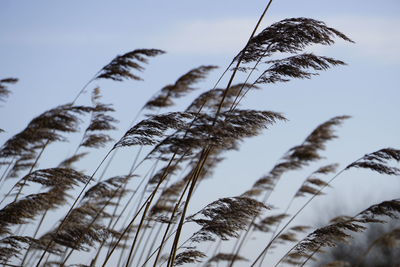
<point x="139" y="215"/>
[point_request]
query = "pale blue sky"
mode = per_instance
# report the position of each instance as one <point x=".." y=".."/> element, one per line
<point x="54" y="47"/>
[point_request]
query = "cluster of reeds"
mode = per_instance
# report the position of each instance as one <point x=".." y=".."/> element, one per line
<point x="139" y="218"/>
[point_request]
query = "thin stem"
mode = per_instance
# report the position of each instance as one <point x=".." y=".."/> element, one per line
<point x="193" y="181"/>
<point x="34" y="236"/>
<point x="170" y="221"/>
<point x="137" y="233"/>
<point x="285" y="211"/>
<point x="123" y="250"/>
<point x="298" y="212"/>
<point x="116" y="191"/>
<point x="84" y="87"/>
<point x="311" y="255"/>
<point x="147" y="226"/>
<point x="71" y="208"/>
<point x="152" y="243"/>
<point x="149" y="199"/>
<point x="31" y="169"/>
<point x="236" y="253"/>
<point x="241" y="58"/>
<point x="6" y="171"/>
<point x="108" y="164"/>
<point x="158" y="248"/>
<point x="208" y="149"/>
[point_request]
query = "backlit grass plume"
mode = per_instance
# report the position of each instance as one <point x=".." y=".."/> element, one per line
<point x="282" y="70"/>
<point x="41" y="131"/>
<point x="181" y="87"/>
<point x="83" y="227"/>
<point x="225" y="217"/>
<point x="121" y="221"/>
<point x="301" y="155"/>
<point x="12" y="246"/>
<point x="57" y="180"/>
<point x="289" y="36"/>
<point x="121" y="67"/>
<point x="330" y="235"/>
<point x="378" y="161"/>
<point x="224" y="133"/>
<point x="209" y="101"/>
<point x="100" y="122"/>
<point x="223" y="257"/>
<point x="150" y="131"/>
<point x="4" y="92"/>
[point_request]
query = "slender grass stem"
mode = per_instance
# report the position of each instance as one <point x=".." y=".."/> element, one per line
<point x="149" y="199"/>
<point x="72" y="207"/>
<point x="193" y="181"/>
<point x="297" y="213"/>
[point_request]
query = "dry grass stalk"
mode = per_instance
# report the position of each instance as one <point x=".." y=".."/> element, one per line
<point x="210" y="126"/>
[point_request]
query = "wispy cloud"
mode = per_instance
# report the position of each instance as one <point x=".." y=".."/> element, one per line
<point x="377" y="38"/>
<point x="207" y="36"/>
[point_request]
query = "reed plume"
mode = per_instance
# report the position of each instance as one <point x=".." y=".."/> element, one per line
<point x="330" y="235"/>
<point x="121" y="67"/>
<point x="282" y="70"/>
<point x="299" y="156"/>
<point x="209" y="101"/>
<point x="312" y="184"/>
<point x="226" y="133"/>
<point x="100" y="122"/>
<point x="188" y="256"/>
<point x="56" y="180"/>
<point x="290" y="35"/>
<point x="221" y="257"/>
<point x="180" y="88"/>
<point x="265" y="224"/>
<point x="41" y="131"/>
<point x="225" y="217"/>
<point x="192" y="142"/>
<point x="222" y="218"/>
<point x="378" y="161"/>
<point x="68" y="162"/>
<point x="11" y="246"/>
<point x="80" y="231"/>
<point x="4" y="92"/>
<point x="151" y="130"/>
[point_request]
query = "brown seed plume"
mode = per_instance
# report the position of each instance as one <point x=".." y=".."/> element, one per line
<point x="121" y="67"/>
<point x="225" y="218"/>
<point x="42" y="130"/>
<point x="100" y="122"/>
<point x="339" y="231"/>
<point x="289" y="36"/>
<point x="378" y="161"/>
<point x="4" y="92"/>
<point x="181" y="87"/>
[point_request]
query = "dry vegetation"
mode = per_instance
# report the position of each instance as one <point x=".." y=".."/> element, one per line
<point x="138" y="220"/>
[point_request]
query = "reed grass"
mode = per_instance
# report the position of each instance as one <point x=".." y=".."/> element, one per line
<point x="100" y="220"/>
